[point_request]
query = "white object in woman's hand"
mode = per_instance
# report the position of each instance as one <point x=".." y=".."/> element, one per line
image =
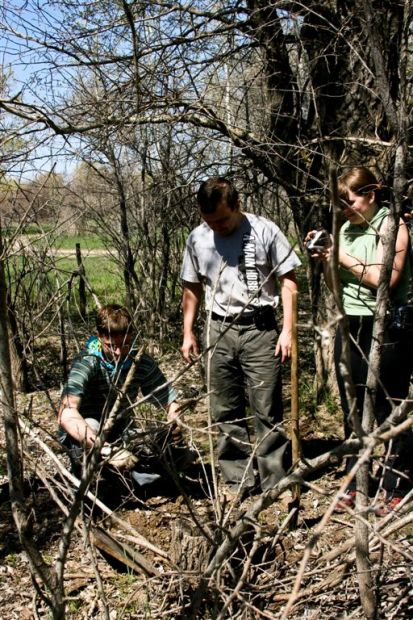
<point x="318" y="243"/>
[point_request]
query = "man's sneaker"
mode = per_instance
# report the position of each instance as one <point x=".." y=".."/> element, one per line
<point x="388" y="506"/>
<point x="347" y="501"/>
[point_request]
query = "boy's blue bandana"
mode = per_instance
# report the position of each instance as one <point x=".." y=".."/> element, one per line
<point x="94" y="347"/>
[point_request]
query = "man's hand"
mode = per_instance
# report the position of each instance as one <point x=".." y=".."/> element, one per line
<point x="283" y="347"/>
<point x="288" y="285"/>
<point x="190" y="304"/>
<point x="189" y="347"/>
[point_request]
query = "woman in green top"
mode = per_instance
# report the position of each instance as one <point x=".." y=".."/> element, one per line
<point x="360" y="258"/>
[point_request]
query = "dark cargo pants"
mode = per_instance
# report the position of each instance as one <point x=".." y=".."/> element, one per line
<point x="395" y="373"/>
<point x="244" y="357"/>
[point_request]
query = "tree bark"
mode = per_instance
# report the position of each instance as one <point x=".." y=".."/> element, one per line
<point x="39" y="568"/>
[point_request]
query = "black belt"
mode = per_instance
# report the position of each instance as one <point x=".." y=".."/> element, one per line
<point x="247" y="319"/>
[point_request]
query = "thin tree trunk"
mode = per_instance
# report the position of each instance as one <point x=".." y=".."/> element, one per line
<point x="82" y="288"/>
<point x="17" y="358"/>
<point x="38" y="567"/>
<point x="63" y="345"/>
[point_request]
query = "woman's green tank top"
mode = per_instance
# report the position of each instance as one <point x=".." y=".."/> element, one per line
<point x="361" y="242"/>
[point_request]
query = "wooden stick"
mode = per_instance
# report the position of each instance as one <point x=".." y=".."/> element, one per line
<point x="295" y="422"/>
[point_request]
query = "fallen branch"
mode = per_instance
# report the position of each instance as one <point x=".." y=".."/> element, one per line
<point x="121" y="552"/>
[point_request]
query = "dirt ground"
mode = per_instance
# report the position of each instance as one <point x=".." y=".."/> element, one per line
<point x="186" y="528"/>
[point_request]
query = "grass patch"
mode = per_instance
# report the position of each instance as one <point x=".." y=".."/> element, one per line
<point x="88" y="242"/>
<point x="29" y="229"/>
<point x="39" y="283"/>
<point x="103" y="275"/>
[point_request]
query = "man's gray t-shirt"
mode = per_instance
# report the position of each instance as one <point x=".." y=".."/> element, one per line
<point x="236" y="268"/>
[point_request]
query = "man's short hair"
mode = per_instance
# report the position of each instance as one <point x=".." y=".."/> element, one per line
<point x="113" y="319"/>
<point x="213" y="191"/>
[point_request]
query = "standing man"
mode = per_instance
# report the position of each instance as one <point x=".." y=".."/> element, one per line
<point x="238" y="258"/>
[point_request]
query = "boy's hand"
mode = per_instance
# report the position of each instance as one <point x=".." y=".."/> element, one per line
<point x="121" y="459"/>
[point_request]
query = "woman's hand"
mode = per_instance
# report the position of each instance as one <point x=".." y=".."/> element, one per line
<point x="321" y="251"/>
